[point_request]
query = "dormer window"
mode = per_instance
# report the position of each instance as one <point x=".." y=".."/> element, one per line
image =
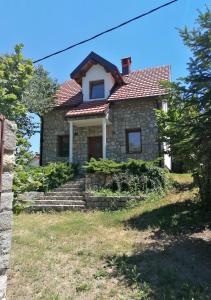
<point x="96" y="89"/>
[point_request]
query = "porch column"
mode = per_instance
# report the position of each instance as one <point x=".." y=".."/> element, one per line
<point x="70" y="142"/>
<point x="104" y="137"/>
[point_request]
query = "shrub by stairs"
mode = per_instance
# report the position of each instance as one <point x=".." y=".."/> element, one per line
<point x="69" y="196"/>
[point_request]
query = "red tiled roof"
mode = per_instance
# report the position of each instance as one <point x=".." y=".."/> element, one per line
<point x="139" y="84"/>
<point x="89" y="108"/>
<point x="69" y="94"/>
<point x="143" y="83"/>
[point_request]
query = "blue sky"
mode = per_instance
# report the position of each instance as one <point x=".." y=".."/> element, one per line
<point x="47" y="26"/>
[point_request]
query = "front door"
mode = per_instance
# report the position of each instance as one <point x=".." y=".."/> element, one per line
<point x="95" y="147"/>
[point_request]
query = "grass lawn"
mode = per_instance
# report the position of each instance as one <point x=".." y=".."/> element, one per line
<point x="158" y="250"/>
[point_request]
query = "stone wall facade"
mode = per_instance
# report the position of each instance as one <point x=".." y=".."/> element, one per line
<point x="6" y="197"/>
<point x="109" y="202"/>
<point x="123" y="115"/>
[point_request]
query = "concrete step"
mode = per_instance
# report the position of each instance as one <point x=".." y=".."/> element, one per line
<point x="56" y="207"/>
<point x="67" y="189"/>
<point x="66" y="193"/>
<point x="59" y="202"/>
<point x="74" y="183"/>
<point x="58" y="197"/>
<point x="69" y="196"/>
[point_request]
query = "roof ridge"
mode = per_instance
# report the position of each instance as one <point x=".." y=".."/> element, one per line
<point x="149" y="68"/>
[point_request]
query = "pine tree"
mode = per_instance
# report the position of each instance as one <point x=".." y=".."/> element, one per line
<point x="187" y="124"/>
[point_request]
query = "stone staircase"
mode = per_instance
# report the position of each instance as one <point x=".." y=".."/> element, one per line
<point x="69" y="196"/>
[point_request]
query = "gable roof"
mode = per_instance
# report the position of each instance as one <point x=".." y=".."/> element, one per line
<point x="142" y="83"/>
<point x="91" y="60"/>
<point x="69" y="94"/>
<point x="138" y="84"/>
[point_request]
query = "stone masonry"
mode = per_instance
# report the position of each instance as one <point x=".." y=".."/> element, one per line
<point x="123" y="115"/>
<point x="6" y="198"/>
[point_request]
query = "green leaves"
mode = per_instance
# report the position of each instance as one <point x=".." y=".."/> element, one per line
<point x="15" y="73"/>
<point x="105" y="166"/>
<point x="39" y="95"/>
<point x="132" y="176"/>
<point x="187" y="124"/>
<point x="27" y="179"/>
<point x="24" y="90"/>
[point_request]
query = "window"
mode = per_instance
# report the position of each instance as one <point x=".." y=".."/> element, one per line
<point x="133" y="140"/>
<point x="97" y="89"/>
<point x="63" y="145"/>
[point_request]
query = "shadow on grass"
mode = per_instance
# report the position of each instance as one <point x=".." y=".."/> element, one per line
<point x="180" y="270"/>
<point x="175" y="262"/>
<point x="182" y="187"/>
<point x="176" y="218"/>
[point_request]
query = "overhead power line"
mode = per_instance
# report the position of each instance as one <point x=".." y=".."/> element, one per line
<point x="106" y="31"/>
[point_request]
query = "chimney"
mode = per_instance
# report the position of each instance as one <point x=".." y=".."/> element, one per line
<point x="126" y="65"/>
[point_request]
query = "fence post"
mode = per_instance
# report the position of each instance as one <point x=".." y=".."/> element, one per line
<point x="7" y="159"/>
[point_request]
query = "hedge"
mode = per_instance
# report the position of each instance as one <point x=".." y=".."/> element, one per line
<point x="131" y="176"/>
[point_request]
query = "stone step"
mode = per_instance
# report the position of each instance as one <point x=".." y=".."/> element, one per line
<point x="59" y="202"/>
<point x="67" y="189"/>
<point x="58" y="197"/>
<point x="56" y="207"/>
<point x="64" y="193"/>
<point x="72" y="183"/>
<point x="76" y="186"/>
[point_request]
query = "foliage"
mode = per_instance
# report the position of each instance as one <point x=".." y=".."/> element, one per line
<point x="108" y="166"/>
<point x="105" y="166"/>
<point x="15" y="74"/>
<point x="133" y="176"/>
<point x="108" y="192"/>
<point x="23" y="153"/>
<point x="186" y="126"/>
<point x="39" y="94"/>
<point x="24" y="89"/>
<point x="152" y="179"/>
<point x="44" y="178"/>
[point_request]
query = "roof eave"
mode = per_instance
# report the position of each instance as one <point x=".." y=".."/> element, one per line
<point x="89" y="61"/>
<point x="85" y="115"/>
<point x="137" y="98"/>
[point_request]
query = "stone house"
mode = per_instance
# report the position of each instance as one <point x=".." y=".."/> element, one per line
<point x="104" y="113"/>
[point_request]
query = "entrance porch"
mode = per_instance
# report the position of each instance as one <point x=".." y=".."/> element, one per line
<point x="87" y="138"/>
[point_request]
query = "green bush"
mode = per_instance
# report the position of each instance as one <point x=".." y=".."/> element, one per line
<point x="42" y="179"/>
<point x="151" y="179"/>
<point x="133" y="176"/>
<point x="105" y="166"/>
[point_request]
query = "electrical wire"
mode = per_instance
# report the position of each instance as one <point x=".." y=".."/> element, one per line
<point x="106" y="31"/>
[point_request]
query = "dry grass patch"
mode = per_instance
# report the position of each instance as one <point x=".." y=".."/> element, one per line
<point x="157" y="250"/>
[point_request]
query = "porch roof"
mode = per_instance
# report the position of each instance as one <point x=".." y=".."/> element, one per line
<point x="96" y="107"/>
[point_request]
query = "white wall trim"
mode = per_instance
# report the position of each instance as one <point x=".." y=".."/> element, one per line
<point x="104" y="137"/>
<point x="95" y="73"/>
<point x="70" y="142"/>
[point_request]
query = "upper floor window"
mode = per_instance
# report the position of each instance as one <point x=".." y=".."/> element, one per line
<point x="96" y="89"/>
<point x="133" y="140"/>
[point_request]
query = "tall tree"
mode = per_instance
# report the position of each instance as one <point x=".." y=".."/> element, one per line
<point x="15" y="74"/>
<point x="187" y="124"/>
<point x="39" y="96"/>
